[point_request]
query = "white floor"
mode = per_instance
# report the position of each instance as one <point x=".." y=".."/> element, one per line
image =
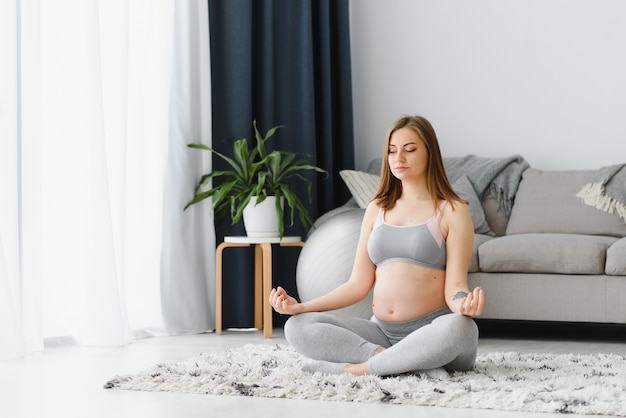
<point x="67" y="381"/>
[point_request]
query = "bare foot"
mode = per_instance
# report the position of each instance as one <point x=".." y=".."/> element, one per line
<point x="356" y="369"/>
<point x="360" y="369"/>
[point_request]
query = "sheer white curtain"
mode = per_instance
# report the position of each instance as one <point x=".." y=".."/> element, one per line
<point x="96" y="172"/>
<point x="10" y="290"/>
<point x="188" y="258"/>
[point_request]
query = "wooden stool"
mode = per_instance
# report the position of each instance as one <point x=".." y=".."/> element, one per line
<point x="262" y="277"/>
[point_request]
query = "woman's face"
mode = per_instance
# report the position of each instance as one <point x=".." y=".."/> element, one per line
<point x="407" y="155"/>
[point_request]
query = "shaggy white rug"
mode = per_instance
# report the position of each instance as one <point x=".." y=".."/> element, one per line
<point x="581" y="384"/>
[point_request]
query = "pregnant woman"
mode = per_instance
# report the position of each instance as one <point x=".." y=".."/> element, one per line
<point x="414" y="250"/>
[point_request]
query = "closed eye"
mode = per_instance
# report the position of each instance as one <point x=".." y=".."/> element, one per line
<point x="406" y="148"/>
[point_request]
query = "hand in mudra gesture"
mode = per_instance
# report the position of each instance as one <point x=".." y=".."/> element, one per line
<point x="474" y="304"/>
<point x="283" y="303"/>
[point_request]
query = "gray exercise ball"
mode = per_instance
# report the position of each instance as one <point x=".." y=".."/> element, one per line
<point x="327" y="257"/>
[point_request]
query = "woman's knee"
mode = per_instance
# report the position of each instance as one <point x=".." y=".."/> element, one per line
<point x="292" y="327"/>
<point x="464" y="332"/>
<point x="462" y="326"/>
<point x="297" y="328"/>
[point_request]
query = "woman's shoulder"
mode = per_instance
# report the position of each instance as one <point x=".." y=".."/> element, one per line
<point x="373" y="205"/>
<point x="451" y="205"/>
<point x="372" y="209"/>
<point x="455" y="211"/>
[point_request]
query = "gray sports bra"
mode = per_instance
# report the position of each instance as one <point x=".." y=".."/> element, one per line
<point x="420" y="244"/>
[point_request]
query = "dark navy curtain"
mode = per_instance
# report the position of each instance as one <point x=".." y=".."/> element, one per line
<point x="281" y="62"/>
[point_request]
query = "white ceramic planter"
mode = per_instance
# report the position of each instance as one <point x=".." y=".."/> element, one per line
<point x="261" y="221"/>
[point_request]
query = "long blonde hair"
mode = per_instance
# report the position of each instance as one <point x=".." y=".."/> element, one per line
<point x="390" y="188"/>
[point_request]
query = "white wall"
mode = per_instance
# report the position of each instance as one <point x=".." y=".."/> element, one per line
<point x="542" y="78"/>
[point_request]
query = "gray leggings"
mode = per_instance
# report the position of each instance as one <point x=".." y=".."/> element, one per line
<point x="438" y="339"/>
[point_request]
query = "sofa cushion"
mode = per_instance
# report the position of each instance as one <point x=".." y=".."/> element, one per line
<point x="479" y="239"/>
<point x="545" y="253"/>
<point x="546" y="202"/>
<point x="616" y="259"/>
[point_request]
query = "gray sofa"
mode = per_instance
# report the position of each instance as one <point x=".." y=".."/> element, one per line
<point x="551" y="258"/>
<point x="554" y="258"/>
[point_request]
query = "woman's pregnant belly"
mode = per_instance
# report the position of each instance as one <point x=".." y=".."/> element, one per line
<point x="405" y="291"/>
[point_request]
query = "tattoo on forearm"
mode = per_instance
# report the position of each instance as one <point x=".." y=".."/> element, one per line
<point x="459" y="295"/>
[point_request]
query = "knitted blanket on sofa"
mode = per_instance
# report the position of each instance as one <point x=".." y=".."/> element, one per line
<point x="498" y="176"/>
<point x="607" y="191"/>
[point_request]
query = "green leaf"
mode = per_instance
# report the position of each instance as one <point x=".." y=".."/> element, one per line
<point x="222" y="192"/>
<point x="281" y="217"/>
<point x="205" y="179"/>
<point x="230" y="161"/>
<point x="260" y="141"/>
<point x="198" y="198"/>
<point x="242" y="156"/>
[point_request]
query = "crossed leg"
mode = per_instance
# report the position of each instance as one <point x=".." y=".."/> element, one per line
<point x="359" y="346"/>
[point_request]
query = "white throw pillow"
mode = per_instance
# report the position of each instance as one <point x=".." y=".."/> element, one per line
<point x="362" y="185"/>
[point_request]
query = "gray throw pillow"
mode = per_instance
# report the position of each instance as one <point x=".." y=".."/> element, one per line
<point x="463" y="187"/>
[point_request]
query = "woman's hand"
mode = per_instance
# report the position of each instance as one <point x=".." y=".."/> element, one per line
<point x="473" y="304"/>
<point x="283" y="303"/>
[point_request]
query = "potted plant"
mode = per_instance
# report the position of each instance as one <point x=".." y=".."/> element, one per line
<point x="256" y="176"/>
